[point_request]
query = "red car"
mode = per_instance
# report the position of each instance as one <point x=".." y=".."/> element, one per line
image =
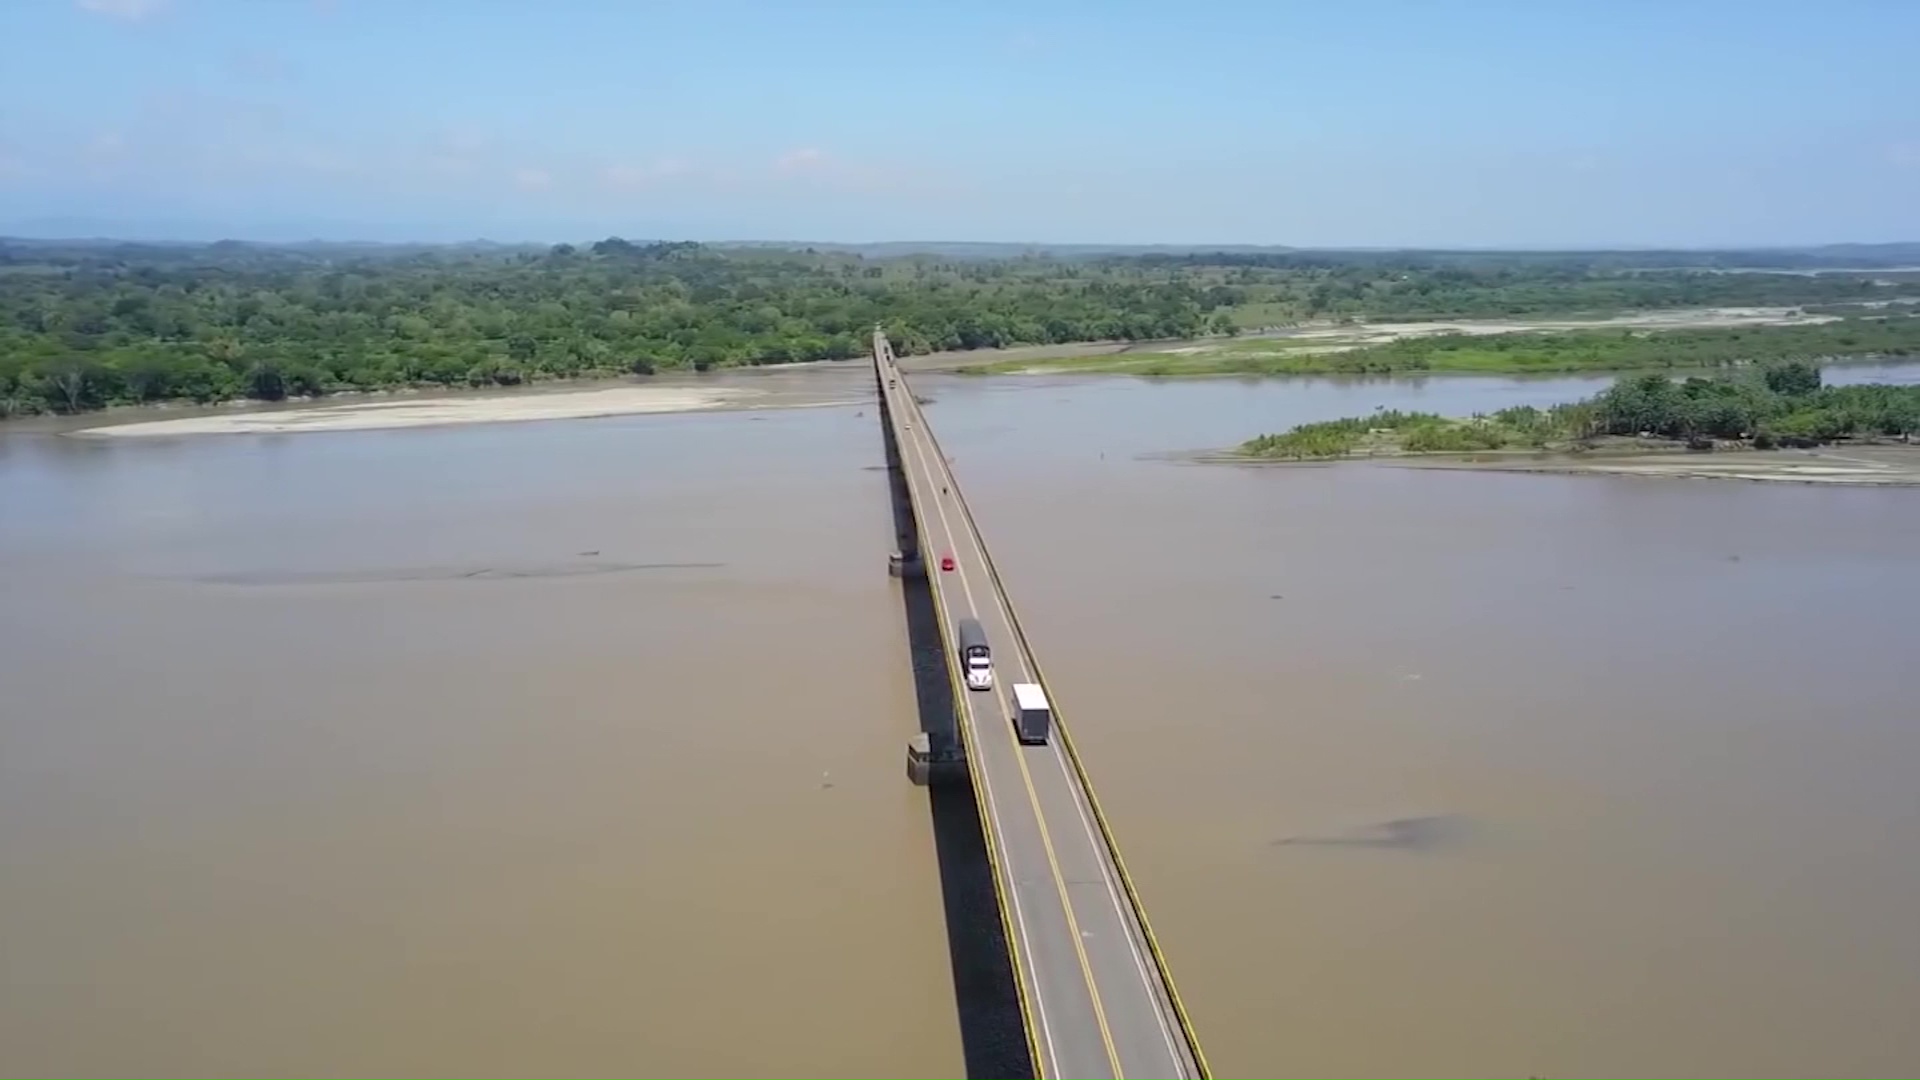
<point x="946" y="563"/>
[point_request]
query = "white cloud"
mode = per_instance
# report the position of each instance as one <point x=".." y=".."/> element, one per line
<point x="464" y="142"/>
<point x="532" y="179"/>
<point x="107" y="144"/>
<point x="445" y="165"/>
<point x="807" y="159"/>
<point x="638" y="177"/>
<point x="124" y="10"/>
<point x="463" y="152"/>
<point x="820" y="169"/>
<point x="259" y="65"/>
<point x="299" y="158"/>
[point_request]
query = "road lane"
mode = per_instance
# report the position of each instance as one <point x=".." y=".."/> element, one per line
<point x="1094" y="991"/>
<point x="1059" y="992"/>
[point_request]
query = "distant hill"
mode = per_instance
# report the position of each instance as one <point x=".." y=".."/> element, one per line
<point x="1833" y="256"/>
<point x="1904" y="255"/>
<point x="971" y="249"/>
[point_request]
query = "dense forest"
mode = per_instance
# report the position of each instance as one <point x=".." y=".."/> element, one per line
<point x="87" y="325"/>
<point x="1778" y="405"/>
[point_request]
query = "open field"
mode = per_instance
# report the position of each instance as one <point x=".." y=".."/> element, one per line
<point x="1291" y="348"/>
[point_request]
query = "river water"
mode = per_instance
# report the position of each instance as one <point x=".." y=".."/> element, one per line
<point x="575" y="748"/>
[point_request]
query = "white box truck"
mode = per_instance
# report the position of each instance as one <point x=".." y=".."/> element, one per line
<point x="1032" y="719"/>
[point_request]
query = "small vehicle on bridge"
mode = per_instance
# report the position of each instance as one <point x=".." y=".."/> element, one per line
<point x="946" y="563"/>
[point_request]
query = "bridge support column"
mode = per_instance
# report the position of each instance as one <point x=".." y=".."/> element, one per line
<point x="906" y="565"/>
<point x="935" y="760"/>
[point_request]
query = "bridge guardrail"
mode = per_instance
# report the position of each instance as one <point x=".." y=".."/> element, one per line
<point x="1073" y="757"/>
<point x="960" y="726"/>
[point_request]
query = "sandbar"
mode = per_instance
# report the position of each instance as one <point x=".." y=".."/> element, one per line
<point x="1885" y="465"/>
<point x="427" y="412"/>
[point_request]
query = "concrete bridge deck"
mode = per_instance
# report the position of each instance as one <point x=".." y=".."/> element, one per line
<point x="1096" y="998"/>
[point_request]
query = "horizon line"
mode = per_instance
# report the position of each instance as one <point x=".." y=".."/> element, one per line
<point x="1038" y="245"/>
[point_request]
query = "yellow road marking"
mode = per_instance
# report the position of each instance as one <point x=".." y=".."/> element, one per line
<point x="1018" y="942"/>
<point x="1093" y="802"/>
<point x="926" y="453"/>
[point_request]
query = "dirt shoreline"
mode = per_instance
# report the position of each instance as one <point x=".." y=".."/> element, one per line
<point x="411" y="410"/>
<point x="1878" y="465"/>
<point x="378" y="415"/>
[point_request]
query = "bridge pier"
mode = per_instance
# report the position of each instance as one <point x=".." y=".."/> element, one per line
<point x="907" y="565"/>
<point x="935" y="759"/>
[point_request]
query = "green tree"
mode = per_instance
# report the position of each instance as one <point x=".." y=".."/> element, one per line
<point x="75" y="383"/>
<point x="266" y="381"/>
<point x="82" y="327"/>
<point x="1793" y="377"/>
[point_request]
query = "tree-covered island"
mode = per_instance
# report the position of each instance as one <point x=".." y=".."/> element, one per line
<point x="1778" y="405"/>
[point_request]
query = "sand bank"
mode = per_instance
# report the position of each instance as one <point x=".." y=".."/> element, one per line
<point x="1873" y="464"/>
<point x="425" y="412"/>
<point x="1882" y="466"/>
<point x="1381" y="333"/>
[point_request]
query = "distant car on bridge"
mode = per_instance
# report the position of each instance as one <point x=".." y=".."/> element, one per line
<point x="946" y="563"/>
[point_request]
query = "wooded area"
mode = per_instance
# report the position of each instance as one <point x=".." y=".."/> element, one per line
<point x="87" y="325"/>
<point x="1777" y="405"/>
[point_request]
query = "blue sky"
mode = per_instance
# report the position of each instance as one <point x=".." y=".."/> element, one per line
<point x="1359" y="122"/>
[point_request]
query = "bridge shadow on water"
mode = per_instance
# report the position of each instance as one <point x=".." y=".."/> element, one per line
<point x="992" y="1034"/>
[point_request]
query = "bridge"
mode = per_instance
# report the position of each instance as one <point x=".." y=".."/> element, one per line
<point x="1093" y="988"/>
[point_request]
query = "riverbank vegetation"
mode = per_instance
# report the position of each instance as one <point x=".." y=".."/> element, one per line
<point x="1780" y="405"/>
<point x="84" y="326"/>
<point x="1511" y="352"/>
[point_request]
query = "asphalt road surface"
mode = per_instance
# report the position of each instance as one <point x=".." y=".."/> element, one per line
<point x="1095" y="1001"/>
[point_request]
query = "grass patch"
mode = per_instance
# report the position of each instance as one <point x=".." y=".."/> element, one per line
<point x="1255" y="316"/>
<point x="1520" y="352"/>
<point x="1264" y="356"/>
<point x="1390" y="431"/>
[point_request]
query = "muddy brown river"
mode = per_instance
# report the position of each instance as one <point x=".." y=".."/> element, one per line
<point x="574" y="748"/>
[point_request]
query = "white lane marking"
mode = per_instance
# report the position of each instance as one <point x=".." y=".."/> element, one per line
<point x="1067" y="905"/>
<point x="1013" y="892"/>
<point x="1092" y="832"/>
<point x="1120" y="913"/>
